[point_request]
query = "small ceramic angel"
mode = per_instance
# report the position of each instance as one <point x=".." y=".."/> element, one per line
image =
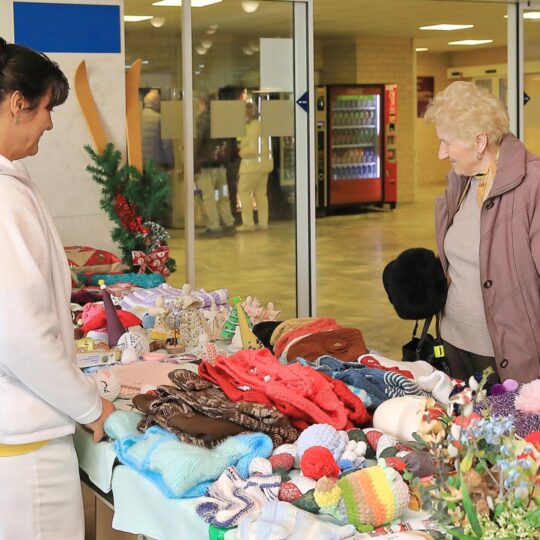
<point x="270" y="313"/>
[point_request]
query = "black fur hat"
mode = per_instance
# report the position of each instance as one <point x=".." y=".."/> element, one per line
<point x="416" y="284"/>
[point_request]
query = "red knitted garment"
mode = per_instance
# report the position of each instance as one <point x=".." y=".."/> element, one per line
<point x="318" y="325"/>
<point x="300" y="392"/>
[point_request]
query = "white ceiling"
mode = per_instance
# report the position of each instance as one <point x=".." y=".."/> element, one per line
<point x="381" y="18"/>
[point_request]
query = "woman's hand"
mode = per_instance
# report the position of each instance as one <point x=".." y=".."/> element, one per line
<point x="96" y="427"/>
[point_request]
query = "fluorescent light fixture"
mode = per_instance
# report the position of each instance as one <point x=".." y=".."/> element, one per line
<point x="178" y="3"/>
<point x="421" y="49"/>
<point x="136" y="18"/>
<point x="534" y="15"/>
<point x="447" y="27"/>
<point x="471" y="42"/>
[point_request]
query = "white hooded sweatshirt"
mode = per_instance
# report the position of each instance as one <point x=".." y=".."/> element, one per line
<point x="42" y="393"/>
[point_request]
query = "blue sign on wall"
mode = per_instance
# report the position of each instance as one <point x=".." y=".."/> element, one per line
<point x="69" y="28"/>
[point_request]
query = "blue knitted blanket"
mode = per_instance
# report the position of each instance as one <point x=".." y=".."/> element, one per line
<point x="178" y="469"/>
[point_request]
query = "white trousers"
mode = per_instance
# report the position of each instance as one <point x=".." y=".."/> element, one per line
<point x="253" y="183"/>
<point x="213" y="184"/>
<point x="40" y="494"/>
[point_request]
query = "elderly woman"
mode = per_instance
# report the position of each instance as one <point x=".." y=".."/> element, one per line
<point x="42" y="393"/>
<point x="488" y="236"/>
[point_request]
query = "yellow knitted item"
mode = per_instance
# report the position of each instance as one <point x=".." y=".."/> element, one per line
<point x="288" y="325"/>
<point x="327" y="498"/>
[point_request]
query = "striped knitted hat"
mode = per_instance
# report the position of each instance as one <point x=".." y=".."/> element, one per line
<point x="376" y="496"/>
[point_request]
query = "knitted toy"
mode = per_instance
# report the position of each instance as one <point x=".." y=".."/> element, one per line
<point x="322" y="435"/>
<point x="133" y="346"/>
<point x="107" y="383"/>
<point x="371" y="497"/>
<point x="317" y="462"/>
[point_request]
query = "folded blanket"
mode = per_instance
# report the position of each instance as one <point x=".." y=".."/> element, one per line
<point x="179" y="469"/>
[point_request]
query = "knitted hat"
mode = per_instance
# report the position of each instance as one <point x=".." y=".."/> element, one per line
<point x="317" y="462"/>
<point x="416" y="284"/>
<point x="374" y="496"/>
<point x="264" y="330"/>
<point x="286" y="326"/>
<point x="345" y="344"/>
<point x="322" y="435"/>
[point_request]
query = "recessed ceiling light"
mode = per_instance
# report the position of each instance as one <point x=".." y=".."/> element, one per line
<point x="471" y="42"/>
<point x="178" y="3"/>
<point x="421" y="49"/>
<point x="447" y="27"/>
<point x="206" y="43"/>
<point x="534" y="15"/>
<point x="250" y="6"/>
<point x="136" y="18"/>
<point x="157" y="22"/>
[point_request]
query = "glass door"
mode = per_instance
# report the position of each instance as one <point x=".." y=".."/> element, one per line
<point x="247" y="131"/>
<point x="229" y="80"/>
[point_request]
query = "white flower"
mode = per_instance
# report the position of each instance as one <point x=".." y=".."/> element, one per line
<point x="473" y="384"/>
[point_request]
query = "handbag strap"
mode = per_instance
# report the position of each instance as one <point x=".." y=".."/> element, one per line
<point x="424" y="333"/>
<point x="415" y="329"/>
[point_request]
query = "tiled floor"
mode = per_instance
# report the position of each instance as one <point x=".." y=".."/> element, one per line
<point x="352" y="251"/>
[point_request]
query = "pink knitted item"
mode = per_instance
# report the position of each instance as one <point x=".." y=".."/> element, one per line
<point x="303" y="394"/>
<point x="134" y="376"/>
<point x="289" y="492"/>
<point x="282" y="461"/>
<point x="318" y="325"/>
<point x="528" y="398"/>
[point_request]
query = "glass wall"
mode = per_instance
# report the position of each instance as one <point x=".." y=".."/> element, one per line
<point x="531" y="83"/>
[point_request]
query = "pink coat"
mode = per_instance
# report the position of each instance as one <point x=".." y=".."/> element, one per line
<point x="509" y="257"/>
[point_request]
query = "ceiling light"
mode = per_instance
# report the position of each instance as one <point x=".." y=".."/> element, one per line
<point x="471" y="42"/>
<point x="534" y="15"/>
<point x="255" y="46"/>
<point x="247" y="50"/>
<point x="200" y="50"/>
<point x="206" y="43"/>
<point x="178" y="3"/>
<point x="136" y="18"/>
<point x="250" y="6"/>
<point x="421" y="49"/>
<point x="447" y="27"/>
<point x="157" y="22"/>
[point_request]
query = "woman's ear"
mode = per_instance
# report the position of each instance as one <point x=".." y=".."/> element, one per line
<point x="17" y="103"/>
<point x="481" y="142"/>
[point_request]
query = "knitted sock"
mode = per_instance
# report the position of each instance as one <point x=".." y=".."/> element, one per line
<point x="438" y="384"/>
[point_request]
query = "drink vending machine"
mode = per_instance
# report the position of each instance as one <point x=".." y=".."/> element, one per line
<point x="356" y="145"/>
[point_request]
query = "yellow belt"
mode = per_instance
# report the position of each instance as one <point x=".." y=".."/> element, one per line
<point x="9" y="450"/>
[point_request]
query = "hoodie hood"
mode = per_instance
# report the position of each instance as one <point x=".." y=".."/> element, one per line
<point x="15" y="169"/>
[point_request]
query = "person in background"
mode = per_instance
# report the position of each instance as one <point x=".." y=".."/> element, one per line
<point x="255" y="165"/>
<point x="488" y="237"/>
<point x="210" y="158"/>
<point x="42" y="393"/>
<point x="153" y="146"/>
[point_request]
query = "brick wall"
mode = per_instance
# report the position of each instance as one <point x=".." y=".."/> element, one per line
<point x="392" y="61"/>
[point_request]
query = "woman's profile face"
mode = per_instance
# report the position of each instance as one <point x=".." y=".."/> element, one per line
<point x="461" y="154"/>
<point x="33" y="123"/>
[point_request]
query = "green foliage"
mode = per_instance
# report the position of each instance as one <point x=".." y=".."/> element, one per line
<point x="147" y="191"/>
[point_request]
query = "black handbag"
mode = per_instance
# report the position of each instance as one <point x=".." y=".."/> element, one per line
<point x="426" y="347"/>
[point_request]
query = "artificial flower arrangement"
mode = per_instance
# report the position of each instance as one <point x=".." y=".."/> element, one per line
<point x="486" y="483"/>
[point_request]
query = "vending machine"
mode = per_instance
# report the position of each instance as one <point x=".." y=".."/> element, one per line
<point x="356" y="145"/>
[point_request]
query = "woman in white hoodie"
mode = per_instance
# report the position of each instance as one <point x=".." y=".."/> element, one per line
<point x="42" y="393"/>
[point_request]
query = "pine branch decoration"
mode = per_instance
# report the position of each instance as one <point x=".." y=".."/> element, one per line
<point x="136" y="203"/>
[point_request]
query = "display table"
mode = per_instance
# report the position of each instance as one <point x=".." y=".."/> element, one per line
<point x="139" y="506"/>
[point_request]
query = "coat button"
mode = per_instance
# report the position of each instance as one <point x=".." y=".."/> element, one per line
<point x="504" y="363"/>
<point x="490" y="204"/>
<point x="488" y="284"/>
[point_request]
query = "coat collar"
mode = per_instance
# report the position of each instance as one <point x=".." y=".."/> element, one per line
<point x="511" y="169"/>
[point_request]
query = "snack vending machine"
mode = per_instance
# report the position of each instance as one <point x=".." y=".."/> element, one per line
<point x="356" y="145"/>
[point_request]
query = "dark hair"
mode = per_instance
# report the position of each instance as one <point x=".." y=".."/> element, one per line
<point x="32" y="73"/>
